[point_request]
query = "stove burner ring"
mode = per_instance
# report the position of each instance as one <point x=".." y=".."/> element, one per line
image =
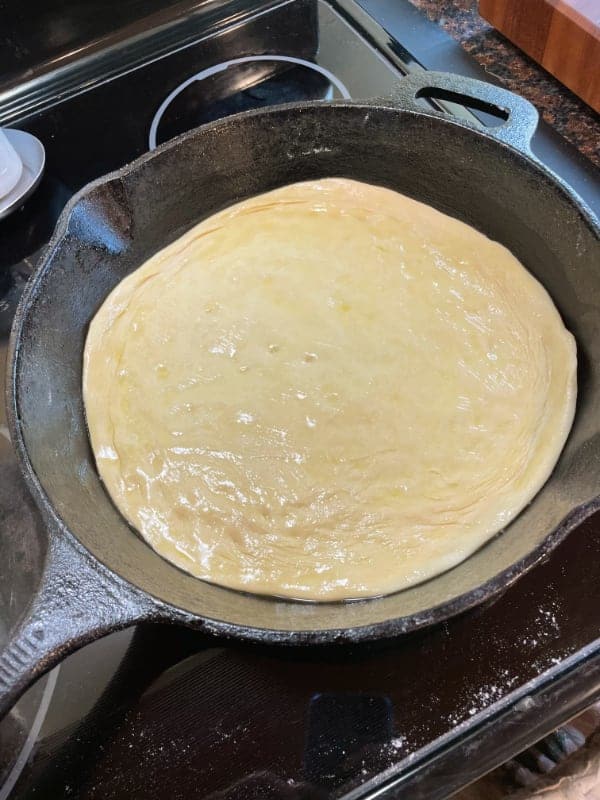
<point x="206" y="73"/>
<point x="23" y="756"/>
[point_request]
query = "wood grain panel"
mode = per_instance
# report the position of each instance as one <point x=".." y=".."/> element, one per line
<point x="561" y="35"/>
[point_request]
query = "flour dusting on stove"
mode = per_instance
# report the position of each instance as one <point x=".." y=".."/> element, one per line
<point x="398" y="743"/>
<point x="537" y="644"/>
<point x="546" y="626"/>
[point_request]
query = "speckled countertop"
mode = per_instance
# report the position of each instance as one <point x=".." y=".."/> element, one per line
<point x="569" y="115"/>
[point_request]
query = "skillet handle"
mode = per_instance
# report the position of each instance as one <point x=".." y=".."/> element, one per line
<point x="78" y="600"/>
<point x="521" y="117"/>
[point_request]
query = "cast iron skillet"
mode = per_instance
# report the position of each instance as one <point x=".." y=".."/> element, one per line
<point x="98" y="574"/>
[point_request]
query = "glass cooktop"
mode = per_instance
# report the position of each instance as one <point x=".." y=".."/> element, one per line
<point x="158" y="711"/>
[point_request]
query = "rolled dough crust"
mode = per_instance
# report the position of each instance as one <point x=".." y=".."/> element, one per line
<point x="328" y="391"/>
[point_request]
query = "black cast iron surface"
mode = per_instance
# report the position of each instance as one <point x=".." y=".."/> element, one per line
<point x="566" y="605"/>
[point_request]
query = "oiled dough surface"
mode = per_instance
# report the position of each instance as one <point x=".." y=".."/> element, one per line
<point x="328" y="391"/>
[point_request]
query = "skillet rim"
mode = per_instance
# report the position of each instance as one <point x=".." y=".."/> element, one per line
<point x="166" y="610"/>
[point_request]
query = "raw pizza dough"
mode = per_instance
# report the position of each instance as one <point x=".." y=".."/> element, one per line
<point x="328" y="391"/>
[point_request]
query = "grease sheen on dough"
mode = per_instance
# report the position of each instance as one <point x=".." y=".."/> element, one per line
<point x="327" y="391"/>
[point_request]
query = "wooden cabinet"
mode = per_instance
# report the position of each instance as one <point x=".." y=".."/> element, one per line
<point x="561" y="35"/>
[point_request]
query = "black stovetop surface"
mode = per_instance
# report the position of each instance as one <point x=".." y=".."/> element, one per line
<point x="158" y="711"/>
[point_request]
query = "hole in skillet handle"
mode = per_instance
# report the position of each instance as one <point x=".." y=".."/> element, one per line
<point x="494" y="115"/>
<point x="518" y="119"/>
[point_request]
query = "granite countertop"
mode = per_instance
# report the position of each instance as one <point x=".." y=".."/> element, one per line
<point x="563" y="110"/>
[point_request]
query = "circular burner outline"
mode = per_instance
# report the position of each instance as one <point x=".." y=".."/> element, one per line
<point x="23" y="756"/>
<point x="216" y="68"/>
